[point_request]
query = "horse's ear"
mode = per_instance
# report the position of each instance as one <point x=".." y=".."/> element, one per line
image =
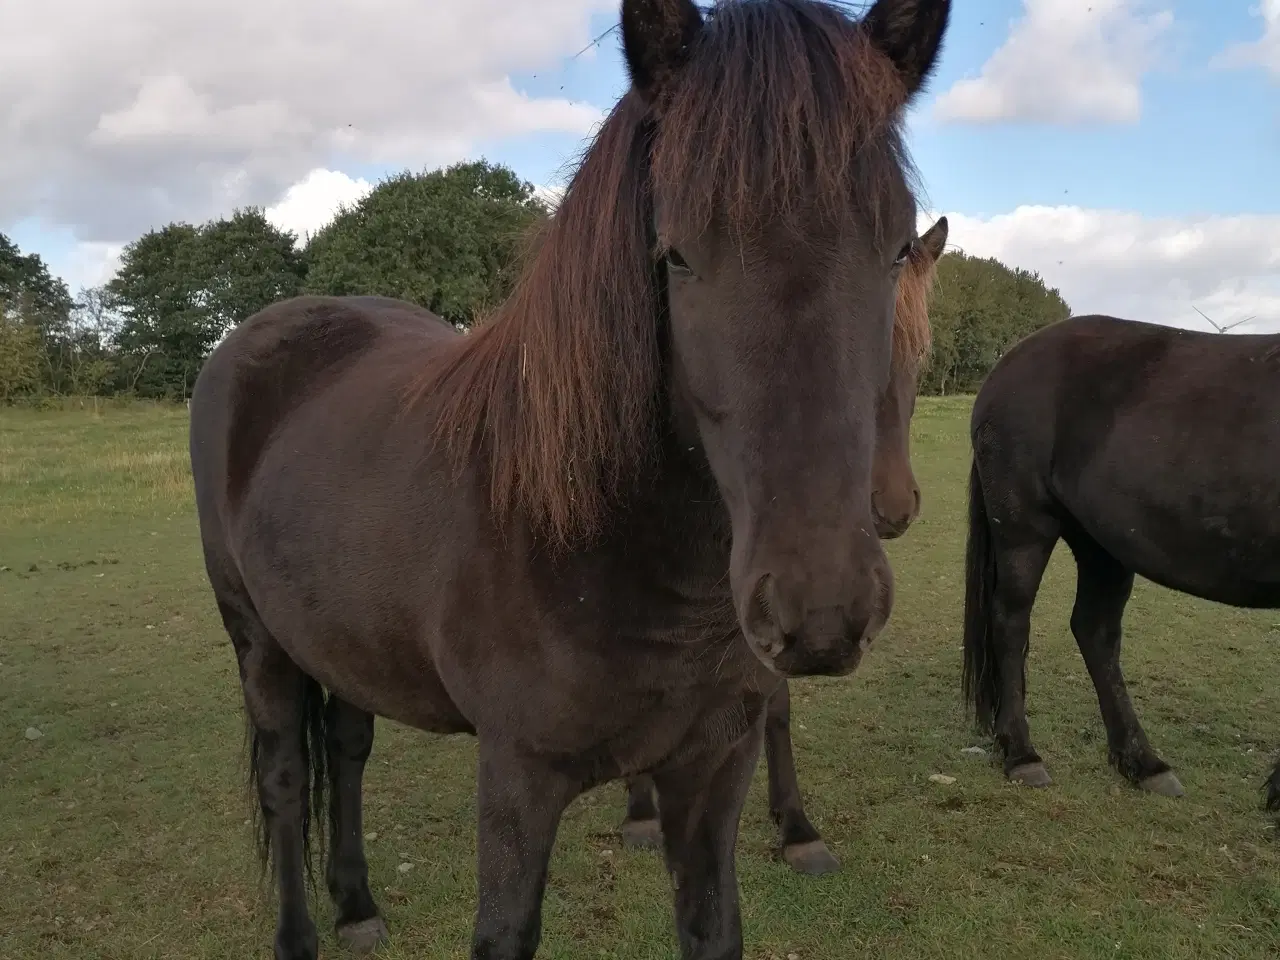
<point x="656" y="36"/>
<point x="934" y="240"/>
<point x="910" y="33"/>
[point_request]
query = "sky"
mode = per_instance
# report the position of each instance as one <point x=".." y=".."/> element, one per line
<point x="1126" y="150"/>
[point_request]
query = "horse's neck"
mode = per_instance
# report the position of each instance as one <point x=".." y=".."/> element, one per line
<point x="676" y="525"/>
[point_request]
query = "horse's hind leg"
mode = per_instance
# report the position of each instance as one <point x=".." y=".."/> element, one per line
<point x="285" y="707"/>
<point x="348" y="741"/>
<point x="641" y="829"/>
<point x="1103" y="587"/>
<point x="802" y="846"/>
<point x="1020" y="565"/>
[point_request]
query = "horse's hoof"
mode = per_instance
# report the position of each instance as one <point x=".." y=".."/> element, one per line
<point x="364" y="935"/>
<point x="813" y="859"/>
<point x="1031" y="775"/>
<point x="642" y="834"/>
<point x="1164" y="784"/>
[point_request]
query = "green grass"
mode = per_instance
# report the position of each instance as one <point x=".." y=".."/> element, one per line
<point x="123" y="828"/>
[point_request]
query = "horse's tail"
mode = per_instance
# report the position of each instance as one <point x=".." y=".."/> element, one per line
<point x="981" y="676"/>
<point x="315" y="761"/>
<point x="1272" y="788"/>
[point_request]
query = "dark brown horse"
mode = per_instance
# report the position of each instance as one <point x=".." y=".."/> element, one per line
<point x="895" y="503"/>
<point x="1150" y="450"/>
<point x="598" y="531"/>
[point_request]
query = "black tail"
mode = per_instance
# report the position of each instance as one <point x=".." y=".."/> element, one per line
<point x="314" y="758"/>
<point x="1272" y="788"/>
<point x="981" y="676"/>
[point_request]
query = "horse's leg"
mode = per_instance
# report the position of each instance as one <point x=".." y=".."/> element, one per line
<point x="281" y="702"/>
<point x="1020" y="565"/>
<point x="641" y="830"/>
<point x="520" y="801"/>
<point x="700" y="806"/>
<point x="348" y="740"/>
<point x="802" y="846"/>
<point x="1102" y="590"/>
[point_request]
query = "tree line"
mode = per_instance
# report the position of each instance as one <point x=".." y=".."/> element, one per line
<point x="447" y="239"/>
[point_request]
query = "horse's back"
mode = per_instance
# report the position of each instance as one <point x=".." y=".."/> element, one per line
<point x="1086" y="373"/>
<point x="275" y="361"/>
<point x="1047" y="368"/>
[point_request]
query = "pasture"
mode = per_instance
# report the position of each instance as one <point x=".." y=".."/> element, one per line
<point x="123" y="810"/>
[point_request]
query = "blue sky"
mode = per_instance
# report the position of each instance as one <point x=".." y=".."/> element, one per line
<point x="1207" y="142"/>
<point x="1117" y="146"/>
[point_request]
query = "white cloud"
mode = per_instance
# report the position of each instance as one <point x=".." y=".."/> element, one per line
<point x="551" y="196"/>
<point x="1263" y="52"/>
<point x="1064" y="62"/>
<point x="89" y="264"/>
<point x="312" y="202"/>
<point x="1141" y="268"/>
<point x="119" y="117"/>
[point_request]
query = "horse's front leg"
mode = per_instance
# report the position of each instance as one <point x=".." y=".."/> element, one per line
<point x="520" y="801"/>
<point x="700" y="805"/>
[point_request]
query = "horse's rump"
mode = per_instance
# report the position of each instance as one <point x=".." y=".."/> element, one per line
<point x="1159" y="443"/>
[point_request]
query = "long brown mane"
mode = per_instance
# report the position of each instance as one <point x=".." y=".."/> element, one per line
<point x="912" y="335"/>
<point x="784" y="107"/>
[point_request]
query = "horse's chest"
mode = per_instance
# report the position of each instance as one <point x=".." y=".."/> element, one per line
<point x="634" y="702"/>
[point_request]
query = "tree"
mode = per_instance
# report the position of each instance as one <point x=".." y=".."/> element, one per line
<point x="92" y="368"/>
<point x="249" y="265"/>
<point x="446" y="240"/>
<point x="20" y="358"/>
<point x="33" y="299"/>
<point x="982" y="308"/>
<point x="181" y="288"/>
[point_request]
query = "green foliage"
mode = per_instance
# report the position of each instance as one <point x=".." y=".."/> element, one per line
<point x="181" y="288"/>
<point x="20" y="355"/>
<point x="445" y="240"/>
<point x="37" y="342"/>
<point x="980" y="309"/>
<point x="28" y="290"/>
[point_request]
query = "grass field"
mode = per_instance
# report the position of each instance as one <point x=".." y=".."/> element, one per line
<point x="123" y="824"/>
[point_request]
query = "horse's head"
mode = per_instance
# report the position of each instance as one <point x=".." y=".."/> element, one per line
<point x="783" y="218"/>
<point x="895" y="495"/>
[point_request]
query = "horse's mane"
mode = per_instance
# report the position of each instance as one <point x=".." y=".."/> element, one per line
<point x="912" y="335"/>
<point x="784" y="109"/>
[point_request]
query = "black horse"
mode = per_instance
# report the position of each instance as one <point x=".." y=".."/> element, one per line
<point x="1150" y="450"/>
<point x="598" y="532"/>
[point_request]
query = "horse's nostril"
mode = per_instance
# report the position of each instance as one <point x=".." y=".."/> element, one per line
<point x="876" y="513"/>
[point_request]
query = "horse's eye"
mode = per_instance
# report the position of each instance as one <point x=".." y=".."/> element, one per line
<point x="903" y="254"/>
<point x="676" y="261"/>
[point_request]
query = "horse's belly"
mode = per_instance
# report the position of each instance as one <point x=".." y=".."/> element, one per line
<point x="1230" y="556"/>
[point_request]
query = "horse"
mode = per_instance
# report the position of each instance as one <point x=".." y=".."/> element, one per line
<point x="895" y="503"/>
<point x="1150" y="450"/>
<point x="596" y="532"/>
